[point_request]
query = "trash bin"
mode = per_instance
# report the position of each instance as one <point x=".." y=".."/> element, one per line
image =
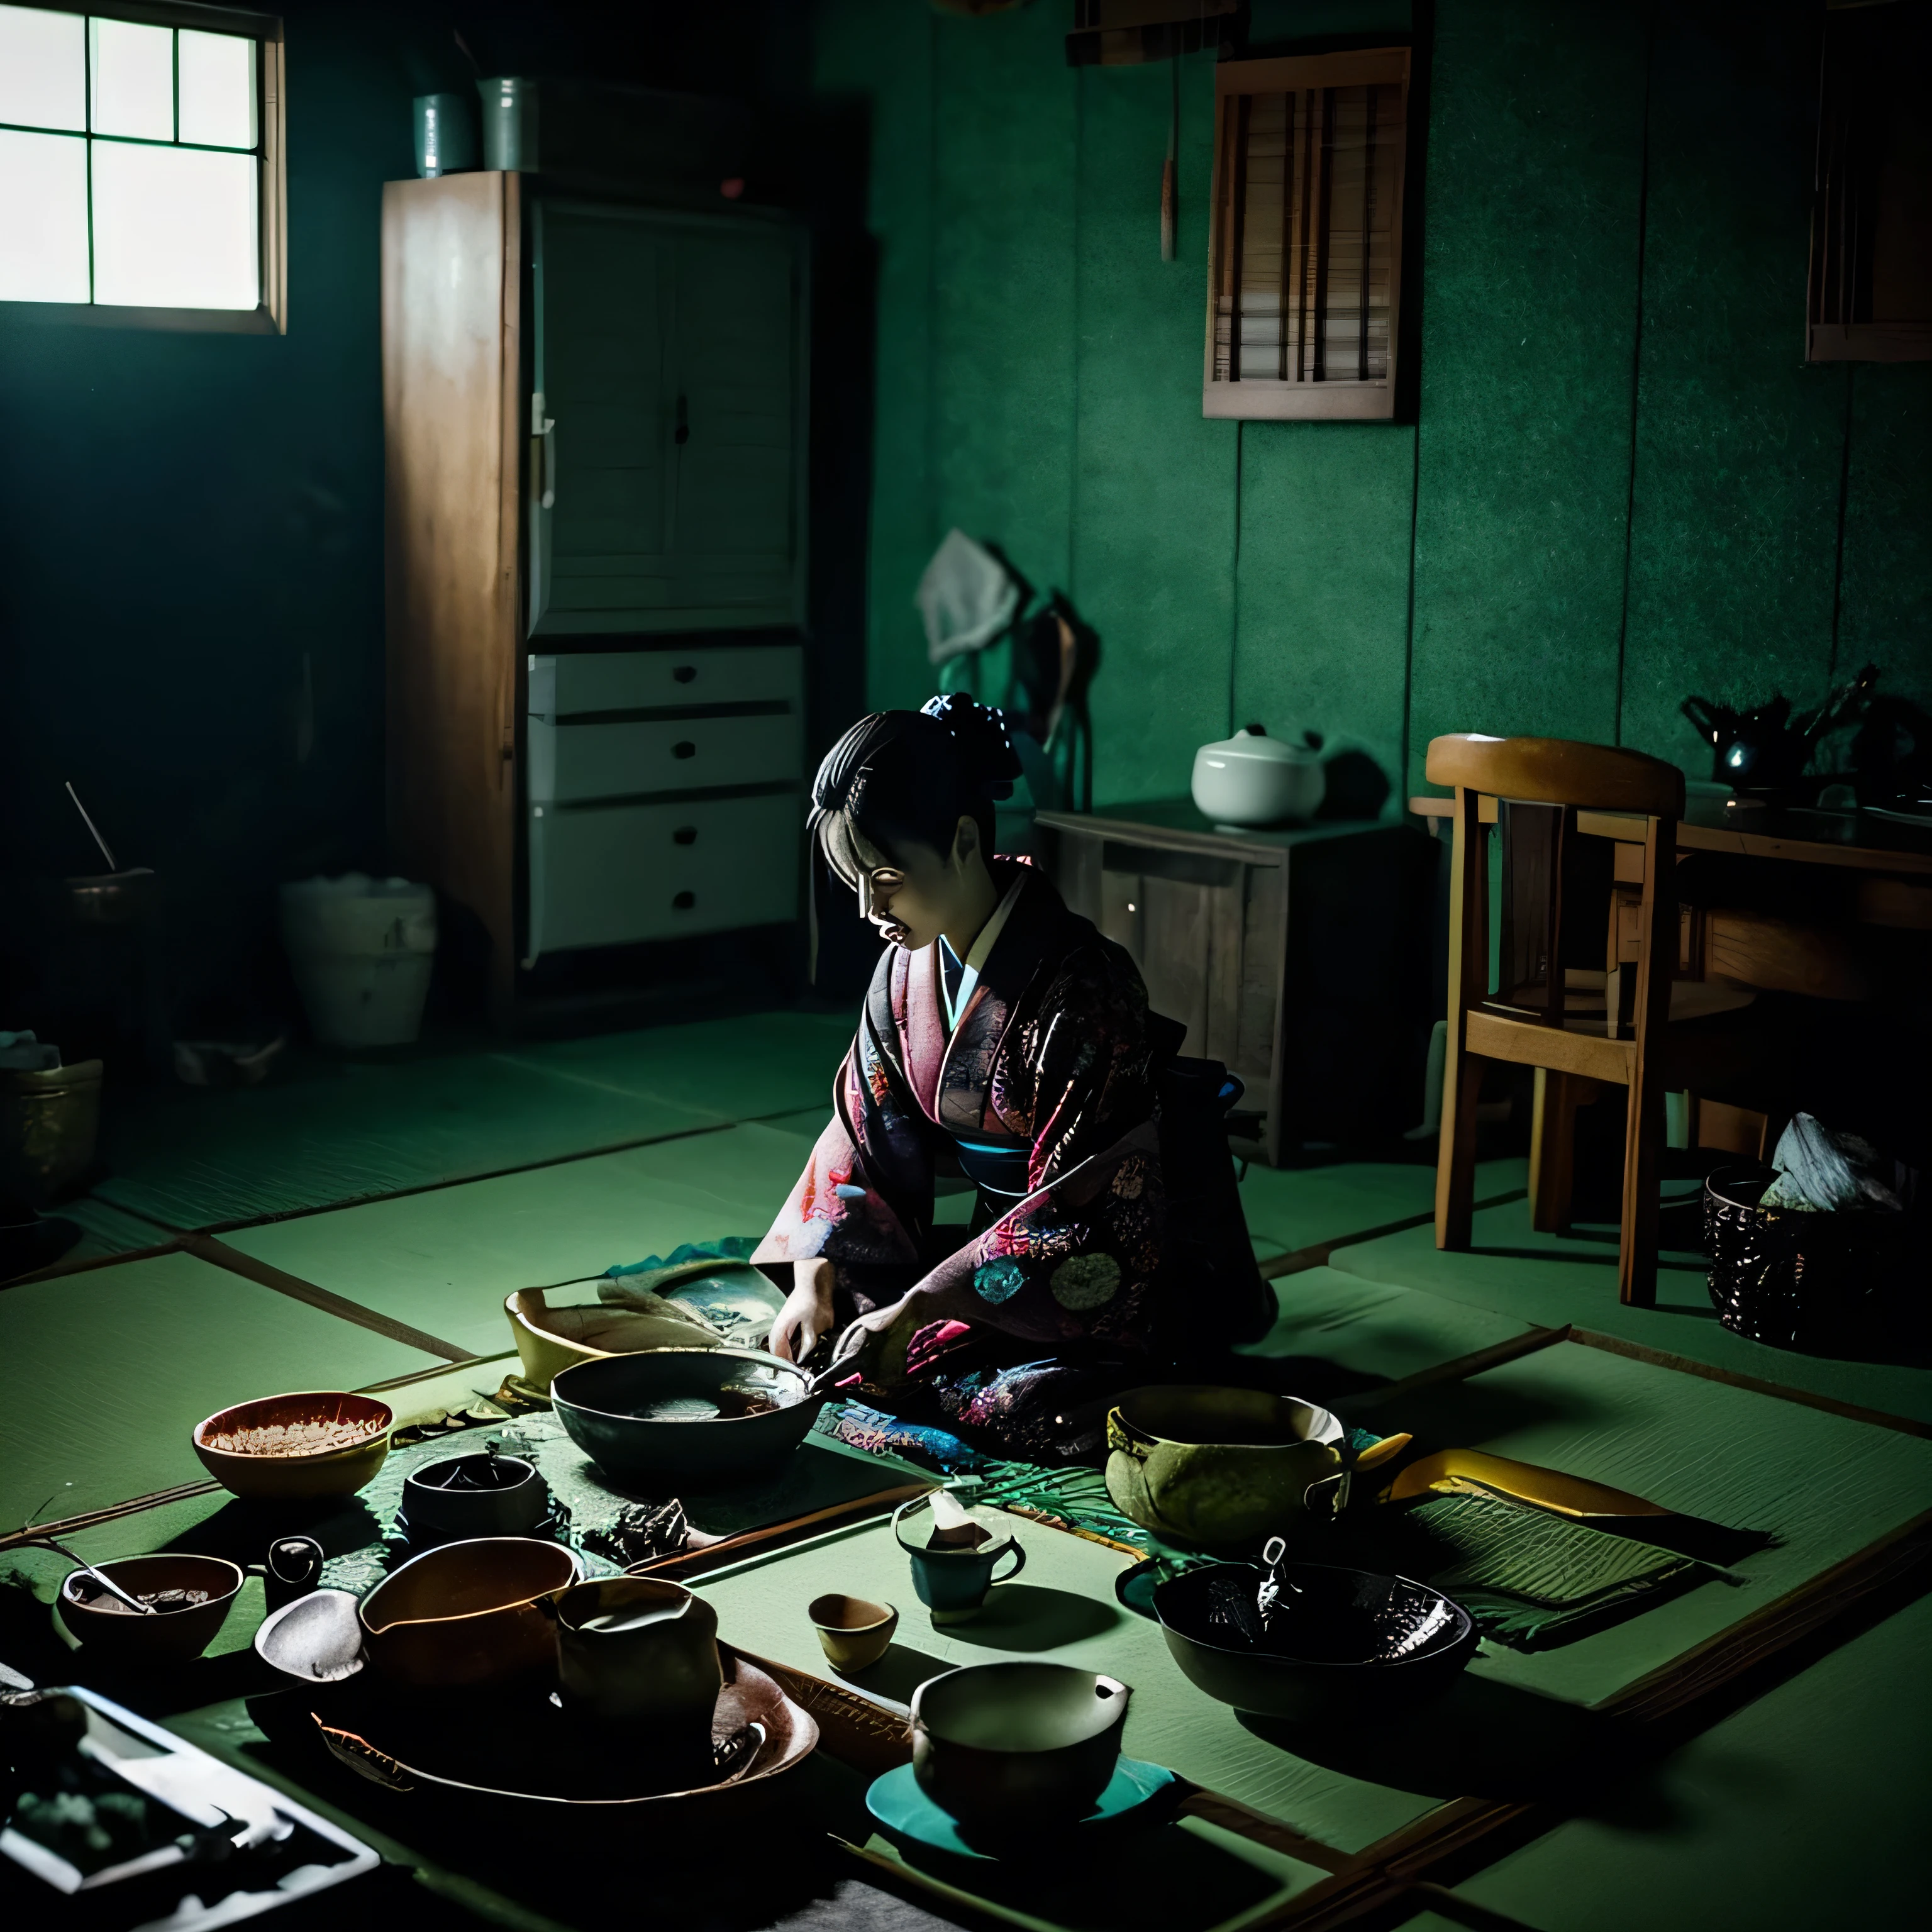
<point x="362" y="949"/>
<point x="1798" y="1279"/>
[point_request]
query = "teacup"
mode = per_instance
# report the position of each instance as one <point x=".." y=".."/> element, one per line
<point x="853" y="1632"/>
<point x="639" y="1652"/>
<point x="952" y="1582"/>
<point x="1009" y="1748"/>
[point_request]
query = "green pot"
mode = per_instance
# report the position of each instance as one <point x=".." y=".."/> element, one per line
<point x="1220" y="1468"/>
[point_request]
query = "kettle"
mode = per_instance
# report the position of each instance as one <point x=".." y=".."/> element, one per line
<point x="1253" y="779"/>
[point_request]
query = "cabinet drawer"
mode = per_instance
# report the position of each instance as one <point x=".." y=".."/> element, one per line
<point x="569" y="683"/>
<point x="611" y="875"/>
<point x="570" y="763"/>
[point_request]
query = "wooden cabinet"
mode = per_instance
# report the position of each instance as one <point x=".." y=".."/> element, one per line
<point x="1298" y="958"/>
<point x="594" y="429"/>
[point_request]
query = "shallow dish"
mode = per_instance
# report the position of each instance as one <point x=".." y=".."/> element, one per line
<point x="109" y="1629"/>
<point x="471" y="1612"/>
<point x="1137" y="1796"/>
<point x="313" y="1443"/>
<point x="519" y="1746"/>
<point x="1342" y="1641"/>
<point x="606" y="1408"/>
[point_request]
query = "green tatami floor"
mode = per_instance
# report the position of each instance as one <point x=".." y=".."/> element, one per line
<point x="423" y="1191"/>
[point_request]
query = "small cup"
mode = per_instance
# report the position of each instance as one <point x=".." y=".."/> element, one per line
<point x="853" y="1632"/>
<point x="952" y="1584"/>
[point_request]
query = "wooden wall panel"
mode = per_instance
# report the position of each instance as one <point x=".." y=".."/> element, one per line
<point x="1004" y="252"/>
<point x="1154" y="504"/>
<point x="1530" y="255"/>
<point x="1323" y="581"/>
<point x="1740" y="443"/>
<point x="451" y="422"/>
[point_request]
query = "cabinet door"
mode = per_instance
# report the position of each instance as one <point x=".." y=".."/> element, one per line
<point x="667" y="366"/>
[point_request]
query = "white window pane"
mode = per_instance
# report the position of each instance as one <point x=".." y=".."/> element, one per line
<point x="133" y="80"/>
<point x="217" y="90"/>
<point x="175" y="228"/>
<point x="43" y="218"/>
<point x="43" y="68"/>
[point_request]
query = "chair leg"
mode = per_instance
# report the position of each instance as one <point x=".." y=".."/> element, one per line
<point x="1643" y="1149"/>
<point x="1553" y="1147"/>
<point x="1456" y="1157"/>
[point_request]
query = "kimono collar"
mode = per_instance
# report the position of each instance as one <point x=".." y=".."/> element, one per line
<point x="976" y="957"/>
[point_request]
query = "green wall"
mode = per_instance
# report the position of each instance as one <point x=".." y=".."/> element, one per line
<point x="1623" y="483"/>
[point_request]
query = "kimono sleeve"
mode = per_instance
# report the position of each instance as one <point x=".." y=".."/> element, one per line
<point x="865" y="1196"/>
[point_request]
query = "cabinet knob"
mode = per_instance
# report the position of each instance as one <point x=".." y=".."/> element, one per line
<point x="685" y="834"/>
<point x="684" y="749"/>
<point x="683" y="673"/>
<point x="685" y="901"/>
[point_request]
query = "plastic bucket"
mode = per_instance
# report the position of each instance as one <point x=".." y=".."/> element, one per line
<point x="362" y="949"/>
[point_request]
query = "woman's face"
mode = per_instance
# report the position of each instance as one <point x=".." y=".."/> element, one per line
<point x="914" y="899"/>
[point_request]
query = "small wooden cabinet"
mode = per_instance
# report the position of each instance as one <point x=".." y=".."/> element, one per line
<point x="1298" y="958"/>
<point x="594" y="438"/>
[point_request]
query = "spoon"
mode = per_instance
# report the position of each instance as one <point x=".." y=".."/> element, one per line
<point x="100" y="1576"/>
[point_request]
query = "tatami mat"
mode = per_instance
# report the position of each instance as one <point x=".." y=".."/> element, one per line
<point x="1549" y="1280"/>
<point x="111" y="1368"/>
<point x="1371" y="1331"/>
<point x="1289" y="1209"/>
<point x="352" y="1130"/>
<point x="444" y="1260"/>
<point x="1793" y="1811"/>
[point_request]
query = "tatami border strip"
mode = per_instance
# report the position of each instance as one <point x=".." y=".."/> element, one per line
<point x="1316" y="1255"/>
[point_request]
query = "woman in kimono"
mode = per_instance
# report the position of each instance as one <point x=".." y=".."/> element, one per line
<point x="1002" y="1038"/>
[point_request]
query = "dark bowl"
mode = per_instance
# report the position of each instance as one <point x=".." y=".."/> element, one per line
<point x="605" y="1407"/>
<point x="468" y="1613"/>
<point x="1347" y="1641"/>
<point x="494" y="1495"/>
<point x="168" y="1637"/>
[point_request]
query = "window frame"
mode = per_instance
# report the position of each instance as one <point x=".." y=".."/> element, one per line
<point x="270" y="317"/>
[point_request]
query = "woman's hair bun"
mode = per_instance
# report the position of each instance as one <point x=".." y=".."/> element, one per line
<point x="978" y="733"/>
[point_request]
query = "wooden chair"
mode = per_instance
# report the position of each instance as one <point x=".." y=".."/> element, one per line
<point x="1551" y="1025"/>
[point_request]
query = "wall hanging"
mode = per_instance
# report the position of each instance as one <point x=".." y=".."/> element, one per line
<point x="1305" y="249"/>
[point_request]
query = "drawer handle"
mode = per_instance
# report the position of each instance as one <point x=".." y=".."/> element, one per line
<point x="685" y="834"/>
<point x="683" y="673"/>
<point x="684" y="749"/>
<point x="685" y="901"/>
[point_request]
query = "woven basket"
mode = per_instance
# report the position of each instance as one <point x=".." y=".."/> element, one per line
<point x="1797" y="1280"/>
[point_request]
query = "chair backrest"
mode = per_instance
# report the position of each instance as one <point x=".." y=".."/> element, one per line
<point x="1558" y="771"/>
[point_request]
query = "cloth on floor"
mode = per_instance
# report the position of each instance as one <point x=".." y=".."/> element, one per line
<point x="1820" y="1171"/>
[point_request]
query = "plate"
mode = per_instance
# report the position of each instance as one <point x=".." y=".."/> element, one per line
<point x="519" y="1744"/>
<point x="1138" y="1792"/>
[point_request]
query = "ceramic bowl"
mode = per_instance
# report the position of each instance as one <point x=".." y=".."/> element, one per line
<point x="1253" y="779"/>
<point x="1341" y="1642"/>
<point x="853" y="1632"/>
<point x="549" y="1339"/>
<point x="256" y="1449"/>
<point x="606" y="1408"/>
<point x="1010" y="1749"/>
<point x="169" y="1636"/>
<point x="493" y="1495"/>
<point x="468" y="1613"/>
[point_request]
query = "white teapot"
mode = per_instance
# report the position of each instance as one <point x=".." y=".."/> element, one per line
<point x="1253" y="779"/>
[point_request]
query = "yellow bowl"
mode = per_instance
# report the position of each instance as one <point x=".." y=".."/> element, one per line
<point x="550" y="1340"/>
<point x="259" y="1460"/>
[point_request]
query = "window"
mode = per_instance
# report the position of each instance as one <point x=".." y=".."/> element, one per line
<point x="140" y="163"/>
<point x="1305" y="248"/>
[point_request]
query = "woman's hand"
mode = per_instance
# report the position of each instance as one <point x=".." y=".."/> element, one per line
<point x="807" y="1312"/>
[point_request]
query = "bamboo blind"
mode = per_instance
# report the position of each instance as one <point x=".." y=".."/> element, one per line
<point x="1305" y="260"/>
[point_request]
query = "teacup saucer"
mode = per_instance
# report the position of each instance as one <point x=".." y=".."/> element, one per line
<point x="898" y="1803"/>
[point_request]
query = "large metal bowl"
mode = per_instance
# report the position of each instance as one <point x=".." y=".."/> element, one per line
<point x="603" y="1406"/>
<point x="1344" y="1642"/>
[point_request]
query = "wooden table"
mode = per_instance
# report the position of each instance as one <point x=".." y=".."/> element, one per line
<point x="1861" y="841"/>
<point x="1293" y="956"/>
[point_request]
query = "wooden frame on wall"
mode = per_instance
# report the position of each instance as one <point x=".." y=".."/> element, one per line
<point x="1309" y="155"/>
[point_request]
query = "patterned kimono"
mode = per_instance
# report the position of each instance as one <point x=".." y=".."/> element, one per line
<point x="1049" y="1084"/>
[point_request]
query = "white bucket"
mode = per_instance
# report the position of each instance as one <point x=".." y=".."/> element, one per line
<point x="362" y="949"/>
